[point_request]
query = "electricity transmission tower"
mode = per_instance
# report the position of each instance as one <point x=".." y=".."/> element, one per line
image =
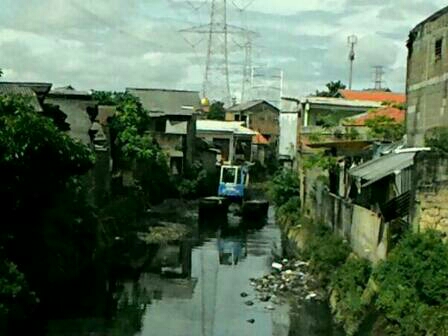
<point x="216" y="83"/>
<point x="352" y="41"/>
<point x="247" y="69"/>
<point x="246" y="47"/>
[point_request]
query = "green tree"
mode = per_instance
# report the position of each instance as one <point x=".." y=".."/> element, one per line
<point x="134" y="148"/>
<point x="385" y="128"/>
<point x="217" y="111"/>
<point x="284" y="185"/>
<point x="333" y="88"/>
<point x="39" y="163"/>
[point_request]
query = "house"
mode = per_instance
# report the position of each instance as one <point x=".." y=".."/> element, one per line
<point x="34" y="92"/>
<point x="85" y="126"/>
<point x="258" y="115"/>
<point x="427" y="77"/>
<point x="80" y="109"/>
<point x="427" y="80"/>
<point x="289" y="127"/>
<point x="320" y="116"/>
<point x="231" y="137"/>
<point x="173" y="114"/>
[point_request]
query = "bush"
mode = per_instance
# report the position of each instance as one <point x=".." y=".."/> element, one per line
<point x="289" y="213"/>
<point x="325" y="250"/>
<point x="16" y="299"/>
<point x="413" y="286"/>
<point x="284" y="185"/>
<point x="349" y="283"/>
<point x="195" y="182"/>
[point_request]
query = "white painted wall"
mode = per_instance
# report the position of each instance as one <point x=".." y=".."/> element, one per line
<point x="288" y="134"/>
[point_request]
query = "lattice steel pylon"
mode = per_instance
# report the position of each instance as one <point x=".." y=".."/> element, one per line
<point x="247" y="70"/>
<point x="216" y="84"/>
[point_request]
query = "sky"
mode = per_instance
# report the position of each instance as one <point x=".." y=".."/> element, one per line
<point x="114" y="44"/>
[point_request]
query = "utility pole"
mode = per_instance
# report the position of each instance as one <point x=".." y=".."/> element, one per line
<point x="352" y="41"/>
<point x="379" y="72"/>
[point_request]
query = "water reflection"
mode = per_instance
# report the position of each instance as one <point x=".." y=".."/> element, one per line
<point x="231" y="246"/>
<point x="193" y="287"/>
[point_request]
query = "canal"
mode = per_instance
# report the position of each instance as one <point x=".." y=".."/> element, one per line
<point x="213" y="297"/>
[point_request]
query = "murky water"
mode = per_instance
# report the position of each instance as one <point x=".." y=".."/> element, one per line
<point x="200" y="292"/>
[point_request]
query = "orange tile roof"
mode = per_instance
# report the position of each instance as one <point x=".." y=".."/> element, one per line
<point x="379" y="96"/>
<point x="391" y="112"/>
<point x="259" y="139"/>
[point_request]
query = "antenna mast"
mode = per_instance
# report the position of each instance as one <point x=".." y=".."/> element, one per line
<point x="352" y="41"/>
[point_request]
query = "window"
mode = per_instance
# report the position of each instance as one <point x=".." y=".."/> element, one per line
<point x="438" y="49"/>
<point x="229" y="175"/>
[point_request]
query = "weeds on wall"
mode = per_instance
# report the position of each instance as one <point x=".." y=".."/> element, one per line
<point x="348" y="284"/>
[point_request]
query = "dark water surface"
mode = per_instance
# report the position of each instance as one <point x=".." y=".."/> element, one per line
<point x="206" y="301"/>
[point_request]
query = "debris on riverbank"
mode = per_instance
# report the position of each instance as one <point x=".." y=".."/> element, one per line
<point x="166" y="232"/>
<point x="288" y="280"/>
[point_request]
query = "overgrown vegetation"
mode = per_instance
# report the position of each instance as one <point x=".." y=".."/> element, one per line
<point x="333" y="88"/>
<point x="413" y="289"/>
<point x="407" y="293"/>
<point x="135" y="149"/>
<point x="217" y="111"/>
<point x="288" y="214"/>
<point x="40" y="165"/>
<point x="283" y="186"/>
<point x="385" y="128"/>
<point x="325" y="250"/>
<point x="349" y="283"/>
<point x="320" y="160"/>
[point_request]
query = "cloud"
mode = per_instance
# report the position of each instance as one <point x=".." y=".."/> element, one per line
<point x="112" y="44"/>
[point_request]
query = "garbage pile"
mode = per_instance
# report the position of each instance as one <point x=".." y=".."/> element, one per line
<point x="289" y="278"/>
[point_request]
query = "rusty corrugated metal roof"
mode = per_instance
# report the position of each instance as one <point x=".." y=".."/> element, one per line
<point x="374" y="170"/>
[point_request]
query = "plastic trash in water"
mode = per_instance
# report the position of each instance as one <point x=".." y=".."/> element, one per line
<point x="277" y="266"/>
